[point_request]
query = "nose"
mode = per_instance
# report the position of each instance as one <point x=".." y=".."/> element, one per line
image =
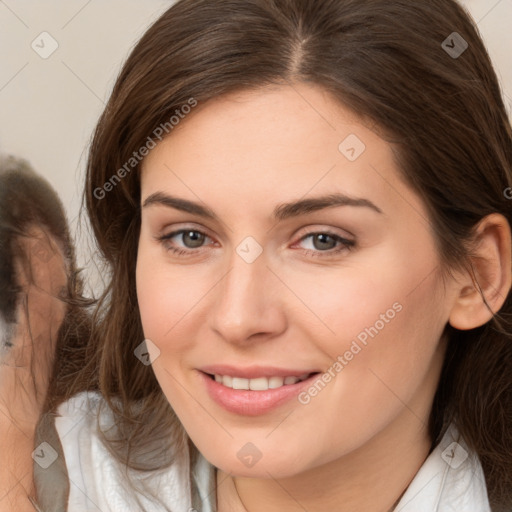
<point x="248" y="302"/>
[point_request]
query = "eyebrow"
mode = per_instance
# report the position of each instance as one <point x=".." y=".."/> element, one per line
<point x="281" y="212"/>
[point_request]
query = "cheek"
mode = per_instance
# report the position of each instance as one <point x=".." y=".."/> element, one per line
<point x="382" y="292"/>
<point x="385" y="355"/>
<point x="168" y="297"/>
<point x="380" y="367"/>
<point x="381" y="330"/>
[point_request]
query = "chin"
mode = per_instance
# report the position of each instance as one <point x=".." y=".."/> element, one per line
<point x="265" y="467"/>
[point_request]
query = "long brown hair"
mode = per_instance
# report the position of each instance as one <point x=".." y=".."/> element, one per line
<point x="389" y="62"/>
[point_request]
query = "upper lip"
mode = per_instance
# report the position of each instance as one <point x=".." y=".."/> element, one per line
<point x="252" y="372"/>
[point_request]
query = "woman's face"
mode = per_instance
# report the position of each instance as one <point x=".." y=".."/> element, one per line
<point x="243" y="284"/>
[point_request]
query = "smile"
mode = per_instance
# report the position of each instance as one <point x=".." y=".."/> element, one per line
<point x="254" y="395"/>
<point x="258" y="383"/>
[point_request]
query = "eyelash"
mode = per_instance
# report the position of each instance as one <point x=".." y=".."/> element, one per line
<point x="345" y="244"/>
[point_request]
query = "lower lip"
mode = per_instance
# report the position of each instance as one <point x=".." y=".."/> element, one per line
<point x="252" y="403"/>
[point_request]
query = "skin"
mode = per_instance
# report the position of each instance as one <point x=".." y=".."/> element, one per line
<point x="357" y="444"/>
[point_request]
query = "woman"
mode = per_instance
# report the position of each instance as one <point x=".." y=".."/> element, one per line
<point x="241" y="363"/>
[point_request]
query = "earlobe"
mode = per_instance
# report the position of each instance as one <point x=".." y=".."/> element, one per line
<point x="491" y="276"/>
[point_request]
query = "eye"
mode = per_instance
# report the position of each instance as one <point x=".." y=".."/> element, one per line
<point x="323" y="243"/>
<point x="327" y="242"/>
<point x="191" y="238"/>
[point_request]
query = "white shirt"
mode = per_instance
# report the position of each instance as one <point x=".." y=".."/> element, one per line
<point x="450" y="480"/>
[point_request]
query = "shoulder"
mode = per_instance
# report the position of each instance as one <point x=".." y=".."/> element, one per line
<point x="450" y="480"/>
<point x="97" y="479"/>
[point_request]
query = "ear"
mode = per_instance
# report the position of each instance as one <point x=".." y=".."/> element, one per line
<point x="491" y="262"/>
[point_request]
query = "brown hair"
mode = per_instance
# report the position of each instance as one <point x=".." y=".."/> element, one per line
<point x="384" y="60"/>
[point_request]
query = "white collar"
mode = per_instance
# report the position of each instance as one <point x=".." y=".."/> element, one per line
<point x="450" y="480"/>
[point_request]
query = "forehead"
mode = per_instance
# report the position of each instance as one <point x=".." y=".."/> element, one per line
<point x="274" y="144"/>
<point x="268" y="121"/>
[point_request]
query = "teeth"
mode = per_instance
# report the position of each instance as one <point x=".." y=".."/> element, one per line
<point x="259" y="383"/>
<point x="239" y="383"/>
<point x="275" y="382"/>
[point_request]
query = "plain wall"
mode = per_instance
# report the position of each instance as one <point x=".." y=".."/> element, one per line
<point x="49" y="107"/>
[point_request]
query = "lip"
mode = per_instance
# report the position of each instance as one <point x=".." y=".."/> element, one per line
<point x="252" y="403"/>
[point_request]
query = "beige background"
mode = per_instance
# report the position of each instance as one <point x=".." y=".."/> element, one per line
<point x="48" y="107"/>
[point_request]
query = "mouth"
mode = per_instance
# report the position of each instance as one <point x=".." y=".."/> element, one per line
<point x="257" y="395"/>
<point x="259" y="383"/>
